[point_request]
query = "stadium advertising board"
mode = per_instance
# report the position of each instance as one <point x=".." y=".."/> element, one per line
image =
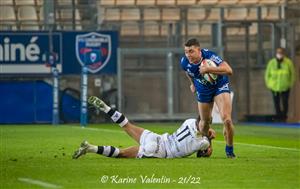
<point x="28" y="52"/>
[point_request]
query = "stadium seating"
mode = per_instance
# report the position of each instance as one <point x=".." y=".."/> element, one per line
<point x="151" y="28"/>
<point x="186" y="2"/>
<point x="19" y="12"/>
<point x="248" y="2"/>
<point x="214" y="14"/>
<point x="152" y="14"/>
<point x="107" y="2"/>
<point x="236" y="14"/>
<point x="207" y="2"/>
<point x="205" y="30"/>
<point x="7" y="13"/>
<point x="112" y="14"/>
<point x="27" y="13"/>
<point x="130" y="29"/>
<point x="171" y="14"/>
<point x="228" y="2"/>
<point x="67" y="14"/>
<point x="252" y="14"/>
<point x="165" y="2"/>
<point x="145" y="2"/>
<point x="130" y="14"/>
<point x="7" y="18"/>
<point x="196" y="14"/>
<point x="164" y="30"/>
<point x="125" y="2"/>
<point x="273" y="13"/>
<point x="193" y="29"/>
<point x="271" y="1"/>
<point x="7" y="2"/>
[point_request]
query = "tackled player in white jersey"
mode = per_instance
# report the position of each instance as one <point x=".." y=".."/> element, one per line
<point x="183" y="142"/>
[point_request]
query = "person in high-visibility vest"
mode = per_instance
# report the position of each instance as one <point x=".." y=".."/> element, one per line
<point x="279" y="78"/>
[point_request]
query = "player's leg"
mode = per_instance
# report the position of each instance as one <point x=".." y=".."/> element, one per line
<point x="132" y="130"/>
<point x="205" y="110"/>
<point x="130" y="152"/>
<point x="108" y="151"/>
<point x="224" y="104"/>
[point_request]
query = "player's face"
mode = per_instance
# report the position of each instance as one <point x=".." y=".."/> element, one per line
<point x="193" y="54"/>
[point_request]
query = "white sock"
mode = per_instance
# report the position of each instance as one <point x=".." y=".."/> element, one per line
<point x="92" y="149"/>
<point x="106" y="108"/>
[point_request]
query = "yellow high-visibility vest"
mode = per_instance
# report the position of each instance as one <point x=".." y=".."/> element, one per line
<point x="280" y="79"/>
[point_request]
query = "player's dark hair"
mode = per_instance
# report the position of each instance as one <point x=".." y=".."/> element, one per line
<point x="192" y="42"/>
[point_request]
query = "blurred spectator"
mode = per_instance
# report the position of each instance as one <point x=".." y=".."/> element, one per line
<point x="279" y="78"/>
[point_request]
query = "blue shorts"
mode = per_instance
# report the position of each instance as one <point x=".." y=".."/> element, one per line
<point x="206" y="94"/>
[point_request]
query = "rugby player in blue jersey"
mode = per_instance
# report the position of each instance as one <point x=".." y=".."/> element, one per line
<point x="208" y="93"/>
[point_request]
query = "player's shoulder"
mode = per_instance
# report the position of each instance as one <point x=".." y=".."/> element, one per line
<point x="184" y="62"/>
<point x="190" y="121"/>
<point x="208" y="54"/>
<point x="205" y="51"/>
<point x="184" y="59"/>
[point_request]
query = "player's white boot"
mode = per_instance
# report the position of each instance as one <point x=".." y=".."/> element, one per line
<point x="82" y="150"/>
<point x="98" y="103"/>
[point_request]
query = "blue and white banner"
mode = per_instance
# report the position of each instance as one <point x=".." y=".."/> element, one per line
<point x="26" y="52"/>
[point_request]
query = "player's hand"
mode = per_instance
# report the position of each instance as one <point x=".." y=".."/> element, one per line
<point x="203" y="69"/>
<point x="192" y="87"/>
<point x="211" y="134"/>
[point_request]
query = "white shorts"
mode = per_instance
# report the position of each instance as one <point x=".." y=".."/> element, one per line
<point x="151" y="145"/>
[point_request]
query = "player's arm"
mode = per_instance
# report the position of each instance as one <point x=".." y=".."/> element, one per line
<point x="189" y="78"/>
<point x="222" y="69"/>
<point x="192" y="87"/>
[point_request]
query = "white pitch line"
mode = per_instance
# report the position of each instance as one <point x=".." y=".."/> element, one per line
<point x="263" y="146"/>
<point x="39" y="183"/>
<point x="239" y="143"/>
<point x="97" y="129"/>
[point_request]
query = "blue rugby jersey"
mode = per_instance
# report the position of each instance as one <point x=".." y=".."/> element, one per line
<point x="193" y="70"/>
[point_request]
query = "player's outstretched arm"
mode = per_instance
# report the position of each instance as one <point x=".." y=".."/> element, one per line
<point x="222" y="69"/>
<point x="192" y="87"/>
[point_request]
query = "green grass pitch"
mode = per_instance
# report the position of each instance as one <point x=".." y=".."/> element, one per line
<point x="34" y="156"/>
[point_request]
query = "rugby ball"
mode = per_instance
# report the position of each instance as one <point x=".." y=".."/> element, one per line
<point x="209" y="76"/>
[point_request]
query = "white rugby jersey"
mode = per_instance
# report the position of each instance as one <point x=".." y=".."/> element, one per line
<point x="185" y="141"/>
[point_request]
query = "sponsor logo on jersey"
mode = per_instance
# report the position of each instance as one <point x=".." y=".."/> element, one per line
<point x="216" y="59"/>
<point x="202" y="81"/>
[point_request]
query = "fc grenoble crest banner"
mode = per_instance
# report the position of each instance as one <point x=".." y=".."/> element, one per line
<point x="94" y="50"/>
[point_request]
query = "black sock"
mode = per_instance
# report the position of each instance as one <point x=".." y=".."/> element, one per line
<point x="108" y="151"/>
<point x="117" y="117"/>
